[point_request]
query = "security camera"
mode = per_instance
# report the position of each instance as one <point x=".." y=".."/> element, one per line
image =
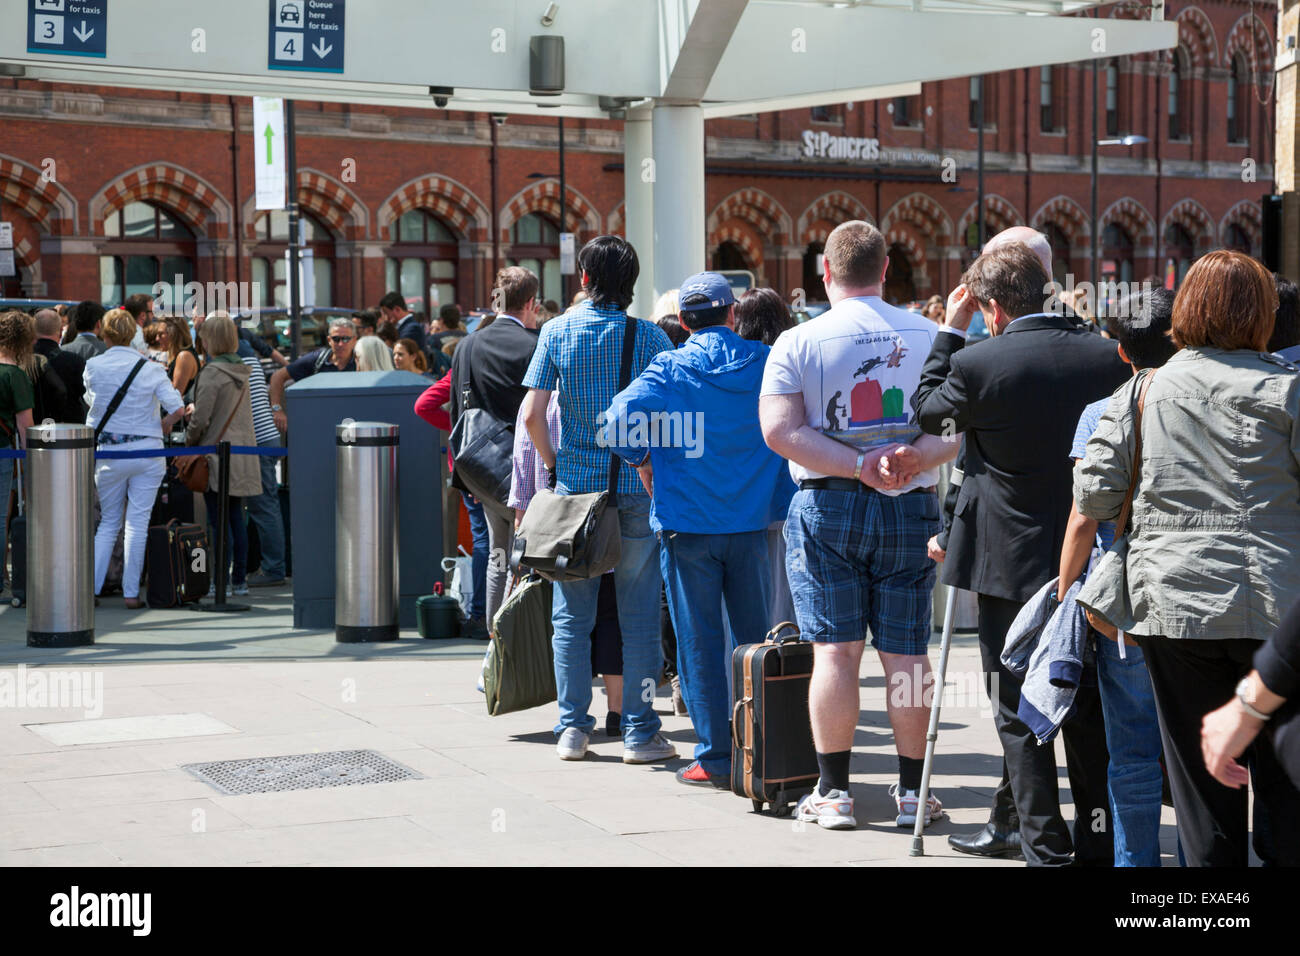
<point x="499" y="118"/>
<point x="548" y="18"/>
<point x="440" y="101"/>
<point x="440" y="95"/>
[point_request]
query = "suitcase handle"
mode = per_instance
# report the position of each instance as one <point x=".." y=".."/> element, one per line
<point x="774" y="635"/>
<point x="735" y="723"/>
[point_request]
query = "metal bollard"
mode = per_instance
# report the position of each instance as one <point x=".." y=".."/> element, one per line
<point x="60" y="535"/>
<point x="365" y="523"/>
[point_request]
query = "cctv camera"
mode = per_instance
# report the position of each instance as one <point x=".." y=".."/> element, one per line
<point x="440" y="101"/>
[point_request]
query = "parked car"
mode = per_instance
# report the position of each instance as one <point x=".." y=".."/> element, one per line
<point x="272" y="324"/>
<point x="32" y="306"/>
<point x="810" y="310"/>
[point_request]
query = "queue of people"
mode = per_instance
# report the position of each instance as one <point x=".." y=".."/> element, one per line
<point x="833" y="432"/>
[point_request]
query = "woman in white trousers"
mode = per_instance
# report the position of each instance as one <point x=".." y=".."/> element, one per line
<point x="127" y="487"/>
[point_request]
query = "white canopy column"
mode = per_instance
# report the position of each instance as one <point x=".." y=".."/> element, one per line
<point x="638" y="204"/>
<point x="678" y="194"/>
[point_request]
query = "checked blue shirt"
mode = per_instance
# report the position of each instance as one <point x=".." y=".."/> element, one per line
<point x="578" y="357"/>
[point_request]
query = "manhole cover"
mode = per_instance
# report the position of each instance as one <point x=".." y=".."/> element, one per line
<point x="343" y="768"/>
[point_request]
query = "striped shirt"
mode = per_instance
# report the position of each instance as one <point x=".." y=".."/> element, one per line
<point x="528" y="471"/>
<point x="263" y="422"/>
<point x="578" y="357"/>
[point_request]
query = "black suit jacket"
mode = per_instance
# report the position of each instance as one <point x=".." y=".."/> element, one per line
<point x="66" y="405"/>
<point x="1017" y="397"/>
<point x="488" y="370"/>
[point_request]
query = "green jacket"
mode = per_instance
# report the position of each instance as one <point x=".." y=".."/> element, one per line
<point x="1214" y="548"/>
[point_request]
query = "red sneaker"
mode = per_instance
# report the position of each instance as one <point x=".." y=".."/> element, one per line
<point x="696" y="776"/>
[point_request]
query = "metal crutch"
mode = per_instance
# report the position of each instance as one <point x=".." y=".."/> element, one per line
<point x="931" y="735"/>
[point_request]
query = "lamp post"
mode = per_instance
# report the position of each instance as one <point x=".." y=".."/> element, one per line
<point x="1129" y="139"/>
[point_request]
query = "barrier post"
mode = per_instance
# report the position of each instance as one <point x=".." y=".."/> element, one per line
<point x="222" y="530"/>
<point x="365" y="520"/>
<point x="60" y="586"/>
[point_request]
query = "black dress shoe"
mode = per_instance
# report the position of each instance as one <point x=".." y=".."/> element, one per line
<point x="989" y="841"/>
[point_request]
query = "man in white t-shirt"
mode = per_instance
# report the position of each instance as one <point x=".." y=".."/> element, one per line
<point x="836" y="401"/>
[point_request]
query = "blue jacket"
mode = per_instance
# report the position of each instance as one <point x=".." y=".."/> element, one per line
<point x="1047" y="646"/>
<point x="695" y="409"/>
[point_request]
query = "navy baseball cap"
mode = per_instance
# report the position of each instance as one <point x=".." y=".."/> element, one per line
<point x="705" y="283"/>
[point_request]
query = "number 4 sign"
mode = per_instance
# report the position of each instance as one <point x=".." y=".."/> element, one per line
<point x="306" y="35"/>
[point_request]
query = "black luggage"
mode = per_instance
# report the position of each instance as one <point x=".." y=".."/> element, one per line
<point x="176" y="562"/>
<point x="174" y="501"/>
<point x="773" y="760"/>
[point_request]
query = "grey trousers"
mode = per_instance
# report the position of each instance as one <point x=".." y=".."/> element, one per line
<point x="500" y="534"/>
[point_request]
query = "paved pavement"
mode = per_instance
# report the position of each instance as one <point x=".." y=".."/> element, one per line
<point x="491" y="790"/>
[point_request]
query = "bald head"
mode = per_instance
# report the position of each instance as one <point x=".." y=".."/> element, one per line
<point x="1035" y="240"/>
<point x="48" y="324"/>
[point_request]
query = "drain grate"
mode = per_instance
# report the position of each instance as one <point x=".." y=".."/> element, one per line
<point x="342" y="768"/>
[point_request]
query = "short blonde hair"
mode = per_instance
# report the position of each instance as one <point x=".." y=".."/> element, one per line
<point x="219" y="335"/>
<point x="118" y="328"/>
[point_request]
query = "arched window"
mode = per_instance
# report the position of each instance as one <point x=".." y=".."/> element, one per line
<point x="1237" y="239"/>
<point x="535" y="245"/>
<point x="1047" y="99"/>
<point x="1060" y="244"/>
<point x="900" y="287"/>
<point x="1237" y="102"/>
<point x="1112" y="98"/>
<point x="1177" y="75"/>
<point x="421" y="262"/>
<point x="729" y="256"/>
<point x="270" y="263"/>
<point x="814" y="290"/>
<point x="1180" y="250"/>
<point x="146" y="245"/>
<point x="1116" y="254"/>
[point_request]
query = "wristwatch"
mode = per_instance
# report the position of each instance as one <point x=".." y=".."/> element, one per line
<point x="1243" y="697"/>
<point x="857" y="469"/>
<point x="276" y="408"/>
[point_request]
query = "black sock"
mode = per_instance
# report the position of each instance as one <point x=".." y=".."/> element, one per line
<point x="909" y="772"/>
<point x="834" y="771"/>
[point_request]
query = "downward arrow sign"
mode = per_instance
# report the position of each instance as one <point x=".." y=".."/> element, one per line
<point x="320" y="48"/>
<point x="82" y="33"/>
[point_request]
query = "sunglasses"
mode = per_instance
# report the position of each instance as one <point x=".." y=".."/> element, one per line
<point x="340" y="339"/>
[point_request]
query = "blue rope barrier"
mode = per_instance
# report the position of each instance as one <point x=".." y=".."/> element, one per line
<point x="269" y="452"/>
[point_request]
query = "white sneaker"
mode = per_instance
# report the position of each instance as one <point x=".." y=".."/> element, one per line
<point x="833" y="811"/>
<point x="908" y="800"/>
<point x="654" y="749"/>
<point x="572" y="744"/>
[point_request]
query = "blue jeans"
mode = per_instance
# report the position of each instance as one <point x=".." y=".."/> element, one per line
<point x="479" y="529"/>
<point x="573" y="614"/>
<point x="236" y="541"/>
<point x="1133" y="737"/>
<point x="697" y="568"/>
<point x="264" y="511"/>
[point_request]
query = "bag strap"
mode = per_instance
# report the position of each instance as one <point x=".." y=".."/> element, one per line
<point x="117" y="399"/>
<point x="624" y="379"/>
<point x="1121" y="523"/>
<point x="238" y="402"/>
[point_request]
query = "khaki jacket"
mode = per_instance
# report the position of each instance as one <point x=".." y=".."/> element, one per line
<point x="1215" y="542"/>
<point x="221" y="388"/>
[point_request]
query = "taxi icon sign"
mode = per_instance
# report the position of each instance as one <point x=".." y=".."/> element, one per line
<point x="290" y="13"/>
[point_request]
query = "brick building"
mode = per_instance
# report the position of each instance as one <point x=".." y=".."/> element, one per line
<point x="111" y="190"/>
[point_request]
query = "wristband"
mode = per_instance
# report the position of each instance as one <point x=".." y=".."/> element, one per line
<point x="857" y="469"/>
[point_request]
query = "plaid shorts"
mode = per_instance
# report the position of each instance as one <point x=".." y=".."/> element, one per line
<point x="857" y="561"/>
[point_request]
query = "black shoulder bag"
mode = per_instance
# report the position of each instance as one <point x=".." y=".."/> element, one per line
<point x="576" y="537"/>
<point x="482" y="447"/>
<point x="117" y="398"/>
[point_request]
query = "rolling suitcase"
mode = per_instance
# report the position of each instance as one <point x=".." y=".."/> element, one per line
<point x="176" y="561"/>
<point x="773" y="760"/>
